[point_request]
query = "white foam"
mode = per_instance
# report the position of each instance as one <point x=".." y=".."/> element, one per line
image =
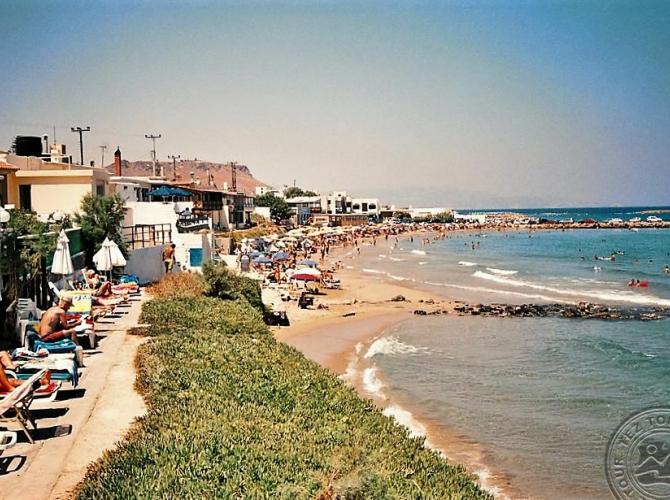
<point x="503" y="272"/>
<point x="397" y="278"/>
<point x="382" y="256"/>
<point x="602" y="295"/>
<point x="372" y="271"/>
<point x="396" y="259"/>
<point x="406" y="419"/>
<point x="372" y="384"/>
<point x="423" y="263"/>
<point x="390" y="346"/>
<point x="498" y="291"/>
<point x="418" y="252"/>
<point x="466" y="263"/>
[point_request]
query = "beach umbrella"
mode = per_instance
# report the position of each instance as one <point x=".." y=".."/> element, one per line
<point x="62" y="261"/>
<point x="255" y="254"/>
<point x="103" y="257"/>
<point x="280" y="256"/>
<point x="118" y="260"/>
<point x="308" y="274"/>
<point x="262" y="260"/>
<point x="308" y="263"/>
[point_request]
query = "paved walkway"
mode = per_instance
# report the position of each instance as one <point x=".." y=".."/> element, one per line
<point x="74" y="430"/>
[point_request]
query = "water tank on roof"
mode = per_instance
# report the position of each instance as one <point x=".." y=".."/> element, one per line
<point x="28" y="145"/>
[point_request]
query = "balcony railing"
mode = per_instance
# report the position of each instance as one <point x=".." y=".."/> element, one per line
<point x="146" y="235"/>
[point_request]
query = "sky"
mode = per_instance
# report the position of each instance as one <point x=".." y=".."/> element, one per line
<point x="466" y="104"/>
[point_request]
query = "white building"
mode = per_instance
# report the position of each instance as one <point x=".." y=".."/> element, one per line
<point x="367" y="206"/>
<point x="426" y="212"/>
<point x="261" y="190"/>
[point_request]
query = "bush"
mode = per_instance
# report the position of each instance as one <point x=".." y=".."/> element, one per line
<point x="178" y="285"/>
<point x="234" y="414"/>
<point x="225" y="284"/>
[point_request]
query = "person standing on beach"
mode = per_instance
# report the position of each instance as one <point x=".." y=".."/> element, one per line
<point x="168" y="257"/>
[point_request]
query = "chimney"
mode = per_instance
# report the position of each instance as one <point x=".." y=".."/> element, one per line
<point x="117" y="162"/>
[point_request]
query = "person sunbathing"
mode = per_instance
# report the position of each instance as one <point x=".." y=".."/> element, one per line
<point x="101" y="289"/>
<point x="55" y="326"/>
<point x="9" y="384"/>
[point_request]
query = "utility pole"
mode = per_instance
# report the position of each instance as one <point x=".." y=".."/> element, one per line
<point x="233" y="175"/>
<point x="102" y="161"/>
<point x="174" y="165"/>
<point x="153" y="151"/>
<point x="80" y="131"/>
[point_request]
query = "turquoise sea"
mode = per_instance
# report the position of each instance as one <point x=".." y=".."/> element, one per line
<point x="538" y="397"/>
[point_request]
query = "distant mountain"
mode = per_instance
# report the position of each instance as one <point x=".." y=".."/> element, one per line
<point x="220" y="174"/>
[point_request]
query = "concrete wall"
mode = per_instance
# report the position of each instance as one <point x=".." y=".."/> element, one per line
<point x="163" y="213"/>
<point x="66" y="198"/>
<point x="147" y="263"/>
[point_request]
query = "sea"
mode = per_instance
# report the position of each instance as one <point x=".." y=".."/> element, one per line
<point x="537" y="399"/>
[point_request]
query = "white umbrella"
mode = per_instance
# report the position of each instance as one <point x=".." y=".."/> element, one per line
<point x="118" y="260"/>
<point x="62" y="261"/>
<point x="103" y="257"/>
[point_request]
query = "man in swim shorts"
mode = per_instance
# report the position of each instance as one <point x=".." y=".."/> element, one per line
<point x="55" y="326"/>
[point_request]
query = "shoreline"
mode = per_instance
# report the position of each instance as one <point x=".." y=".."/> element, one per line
<point x="348" y="338"/>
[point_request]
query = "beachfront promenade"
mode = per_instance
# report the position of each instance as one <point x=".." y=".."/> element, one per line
<point x="76" y="428"/>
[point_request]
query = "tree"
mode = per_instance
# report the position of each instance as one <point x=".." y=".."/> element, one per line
<point x="279" y="209"/>
<point x="101" y="217"/>
<point x="294" y="191"/>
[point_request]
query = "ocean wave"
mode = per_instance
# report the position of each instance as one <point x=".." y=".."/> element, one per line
<point x="396" y="259"/>
<point x="382" y="256"/>
<point x="372" y="271"/>
<point x="602" y="295"/>
<point x="498" y="291"/>
<point x="418" y="252"/>
<point x="466" y="263"/>
<point x="406" y="419"/>
<point x="396" y="278"/>
<point x="372" y="384"/>
<point x="503" y="272"/>
<point x="423" y="263"/>
<point x="390" y="346"/>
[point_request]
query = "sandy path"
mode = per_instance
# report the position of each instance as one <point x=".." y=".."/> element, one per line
<point x="86" y="421"/>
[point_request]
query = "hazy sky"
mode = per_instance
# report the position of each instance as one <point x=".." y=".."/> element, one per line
<point x="466" y="104"/>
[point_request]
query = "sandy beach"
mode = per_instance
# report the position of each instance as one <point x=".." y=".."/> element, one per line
<point x="338" y="342"/>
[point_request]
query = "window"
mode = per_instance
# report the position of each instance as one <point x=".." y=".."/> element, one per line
<point x="25" y="197"/>
<point x="100" y="190"/>
<point x="365" y="207"/>
<point x="357" y="206"/>
<point x="372" y="206"/>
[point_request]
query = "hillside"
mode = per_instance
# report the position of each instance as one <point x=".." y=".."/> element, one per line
<point x="198" y="170"/>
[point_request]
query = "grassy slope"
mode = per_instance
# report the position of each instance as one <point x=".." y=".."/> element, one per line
<point x="233" y="413"/>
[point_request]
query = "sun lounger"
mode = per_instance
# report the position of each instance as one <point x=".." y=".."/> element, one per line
<point x="58" y="347"/>
<point x="7" y="440"/>
<point x="19" y="401"/>
<point x="63" y="367"/>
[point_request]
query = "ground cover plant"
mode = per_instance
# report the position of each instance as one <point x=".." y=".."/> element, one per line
<point x="232" y="413"/>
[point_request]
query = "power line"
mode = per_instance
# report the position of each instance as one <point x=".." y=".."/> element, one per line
<point x="153" y="151"/>
<point x="81" y="131"/>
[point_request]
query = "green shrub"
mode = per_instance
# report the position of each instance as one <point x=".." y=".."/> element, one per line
<point x="234" y="414"/>
<point x="225" y="284"/>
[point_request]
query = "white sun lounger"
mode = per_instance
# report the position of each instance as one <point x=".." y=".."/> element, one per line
<point x="20" y="400"/>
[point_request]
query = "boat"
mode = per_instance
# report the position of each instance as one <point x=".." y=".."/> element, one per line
<point x="653" y="218"/>
<point x="615" y="220"/>
<point x="635" y="219"/>
<point x="569" y="220"/>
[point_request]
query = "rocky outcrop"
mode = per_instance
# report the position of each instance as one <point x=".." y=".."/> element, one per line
<point x="583" y="310"/>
